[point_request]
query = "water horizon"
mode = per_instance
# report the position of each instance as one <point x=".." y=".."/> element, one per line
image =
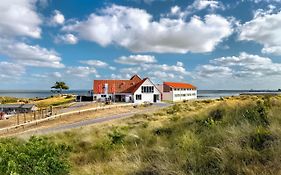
<point x="47" y="93"/>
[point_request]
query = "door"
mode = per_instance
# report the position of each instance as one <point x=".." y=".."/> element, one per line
<point x="155" y="98"/>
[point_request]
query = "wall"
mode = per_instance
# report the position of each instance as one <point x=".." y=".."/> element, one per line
<point x="147" y="97"/>
<point x="167" y="96"/>
<point x="180" y="95"/>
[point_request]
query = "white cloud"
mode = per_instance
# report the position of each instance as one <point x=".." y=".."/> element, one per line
<point x="162" y="75"/>
<point x="158" y="72"/>
<point x="112" y="68"/>
<point x="244" y="59"/>
<point x="67" y="39"/>
<point x="57" y="18"/>
<point x="134" y="29"/>
<point x="196" y="6"/>
<point x="19" y="18"/>
<point x="136" y="59"/>
<point x="202" y="4"/>
<point x="180" y="64"/>
<point x="265" y="29"/>
<point x="30" y="55"/>
<point x="81" y="71"/>
<point x="95" y="63"/>
<point x="56" y="74"/>
<point x="211" y="71"/>
<point x="244" y="66"/>
<point x="10" y="70"/>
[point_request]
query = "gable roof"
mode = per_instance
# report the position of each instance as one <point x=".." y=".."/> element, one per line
<point x="134" y="88"/>
<point x="116" y="86"/>
<point x="179" y="85"/>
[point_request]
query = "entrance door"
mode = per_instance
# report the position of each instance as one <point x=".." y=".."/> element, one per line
<point x="155" y="98"/>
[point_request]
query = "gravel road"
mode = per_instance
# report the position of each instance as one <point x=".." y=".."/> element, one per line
<point x="91" y="121"/>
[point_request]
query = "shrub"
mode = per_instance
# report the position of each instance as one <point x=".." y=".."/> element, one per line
<point x="174" y="109"/>
<point x="116" y="137"/>
<point x="261" y="139"/>
<point x="257" y="114"/>
<point x="163" y="131"/>
<point x="216" y="114"/>
<point x="36" y="156"/>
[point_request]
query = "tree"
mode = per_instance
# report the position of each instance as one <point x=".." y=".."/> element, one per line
<point x="59" y="86"/>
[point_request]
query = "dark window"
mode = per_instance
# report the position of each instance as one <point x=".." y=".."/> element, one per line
<point x="138" y="97"/>
<point x="147" y="89"/>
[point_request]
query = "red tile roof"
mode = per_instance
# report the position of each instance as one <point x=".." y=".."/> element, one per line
<point x="118" y="86"/>
<point x="179" y="85"/>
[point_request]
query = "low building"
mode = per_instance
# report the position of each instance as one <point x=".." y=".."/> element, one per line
<point x="135" y="90"/>
<point x="17" y="108"/>
<point x="175" y="91"/>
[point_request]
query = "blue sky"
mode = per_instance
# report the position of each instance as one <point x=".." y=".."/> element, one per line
<point x="209" y="43"/>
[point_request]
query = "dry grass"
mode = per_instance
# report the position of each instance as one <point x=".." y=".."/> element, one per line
<point x="239" y="135"/>
<point x="53" y="101"/>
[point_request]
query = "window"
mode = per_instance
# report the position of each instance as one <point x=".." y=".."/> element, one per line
<point x="138" y="97"/>
<point x="103" y="95"/>
<point x="147" y="89"/>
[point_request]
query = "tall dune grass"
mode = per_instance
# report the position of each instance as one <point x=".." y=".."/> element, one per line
<point x="239" y="135"/>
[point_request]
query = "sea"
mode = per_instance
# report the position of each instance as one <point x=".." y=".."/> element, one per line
<point x="46" y="93"/>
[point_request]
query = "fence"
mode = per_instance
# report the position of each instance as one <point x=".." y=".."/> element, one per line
<point x="34" y="118"/>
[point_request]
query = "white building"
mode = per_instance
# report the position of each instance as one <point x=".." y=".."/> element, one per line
<point x="135" y="90"/>
<point x="173" y="91"/>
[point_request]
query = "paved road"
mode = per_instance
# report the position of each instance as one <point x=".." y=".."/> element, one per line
<point x="91" y="121"/>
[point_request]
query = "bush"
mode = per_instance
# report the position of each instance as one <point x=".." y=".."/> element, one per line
<point x="116" y="137"/>
<point x="261" y="139"/>
<point x="36" y="156"/>
<point x="258" y="114"/>
<point x="163" y="131"/>
<point x="174" y="109"/>
<point x="216" y="114"/>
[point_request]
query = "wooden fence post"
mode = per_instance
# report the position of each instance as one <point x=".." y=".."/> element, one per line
<point x="18" y="118"/>
<point x="24" y="117"/>
<point x="34" y="115"/>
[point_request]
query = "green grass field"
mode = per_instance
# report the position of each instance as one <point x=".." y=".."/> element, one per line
<point x="235" y="135"/>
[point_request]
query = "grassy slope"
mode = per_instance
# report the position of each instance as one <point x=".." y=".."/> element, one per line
<point x="42" y="103"/>
<point x="239" y="135"/>
<point x="54" y="101"/>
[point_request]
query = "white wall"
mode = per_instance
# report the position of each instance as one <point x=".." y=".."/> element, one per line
<point x="183" y="94"/>
<point x="147" y="97"/>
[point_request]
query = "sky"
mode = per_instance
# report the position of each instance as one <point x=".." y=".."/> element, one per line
<point x="209" y="43"/>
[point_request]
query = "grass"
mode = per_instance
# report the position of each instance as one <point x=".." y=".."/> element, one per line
<point x="54" y="101"/>
<point x="236" y="135"/>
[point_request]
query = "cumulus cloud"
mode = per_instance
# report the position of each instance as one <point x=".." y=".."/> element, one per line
<point x="196" y="6"/>
<point x="132" y="28"/>
<point x="202" y="4"/>
<point x="157" y="71"/>
<point x="19" y="18"/>
<point x="211" y="71"/>
<point x="136" y="59"/>
<point x="265" y="29"/>
<point x="10" y="70"/>
<point x="81" y="71"/>
<point x="244" y="65"/>
<point x="95" y="63"/>
<point x="67" y="39"/>
<point x="30" y="55"/>
<point x="48" y="75"/>
<point x="57" y="18"/>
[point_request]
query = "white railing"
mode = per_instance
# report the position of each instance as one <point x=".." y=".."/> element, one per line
<point x="36" y="122"/>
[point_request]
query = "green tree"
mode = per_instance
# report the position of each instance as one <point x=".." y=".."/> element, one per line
<point x="60" y="86"/>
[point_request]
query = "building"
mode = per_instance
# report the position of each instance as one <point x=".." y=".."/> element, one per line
<point x="174" y="91"/>
<point x="135" y="90"/>
<point x="17" y="108"/>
